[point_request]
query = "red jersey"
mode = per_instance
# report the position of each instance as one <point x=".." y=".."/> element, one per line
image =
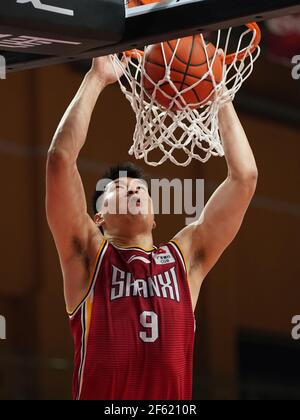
<point x="134" y="332"/>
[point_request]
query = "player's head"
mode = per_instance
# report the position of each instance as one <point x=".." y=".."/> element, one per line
<point x="122" y="204"/>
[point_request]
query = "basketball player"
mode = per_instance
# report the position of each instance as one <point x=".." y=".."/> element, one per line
<point x="131" y="304"/>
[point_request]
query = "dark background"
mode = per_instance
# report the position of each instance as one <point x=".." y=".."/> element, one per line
<point x="244" y="348"/>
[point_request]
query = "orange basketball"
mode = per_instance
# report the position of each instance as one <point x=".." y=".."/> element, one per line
<point x="188" y="66"/>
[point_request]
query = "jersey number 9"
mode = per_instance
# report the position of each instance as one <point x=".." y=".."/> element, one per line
<point x="149" y="320"/>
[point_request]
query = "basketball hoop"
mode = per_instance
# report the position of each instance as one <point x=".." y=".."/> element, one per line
<point x="178" y="127"/>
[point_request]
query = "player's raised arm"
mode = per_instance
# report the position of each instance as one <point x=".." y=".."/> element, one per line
<point x="205" y="240"/>
<point x="71" y="226"/>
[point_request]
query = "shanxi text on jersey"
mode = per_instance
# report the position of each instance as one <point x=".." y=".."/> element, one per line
<point x="164" y="285"/>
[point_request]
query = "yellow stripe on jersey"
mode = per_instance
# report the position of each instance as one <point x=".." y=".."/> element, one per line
<point x="91" y="278"/>
<point x="88" y="313"/>
<point x="82" y="352"/>
<point x="181" y="253"/>
<point x="178" y="247"/>
<point x="85" y="325"/>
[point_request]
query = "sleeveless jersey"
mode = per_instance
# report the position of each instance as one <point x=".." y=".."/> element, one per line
<point x="134" y="331"/>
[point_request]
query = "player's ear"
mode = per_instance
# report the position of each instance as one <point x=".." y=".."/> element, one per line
<point x="154" y="224"/>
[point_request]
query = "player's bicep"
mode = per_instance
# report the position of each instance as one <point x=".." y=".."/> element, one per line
<point x="221" y="220"/>
<point x="205" y="240"/>
<point x="66" y="204"/>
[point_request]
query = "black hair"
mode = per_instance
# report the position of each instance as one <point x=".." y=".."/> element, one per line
<point x="113" y="173"/>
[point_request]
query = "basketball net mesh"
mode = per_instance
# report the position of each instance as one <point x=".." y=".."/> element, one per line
<point x="161" y="132"/>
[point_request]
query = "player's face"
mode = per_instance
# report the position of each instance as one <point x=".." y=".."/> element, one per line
<point x="128" y="196"/>
<point x="127" y="200"/>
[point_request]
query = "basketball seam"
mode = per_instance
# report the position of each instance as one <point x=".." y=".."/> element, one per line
<point x="182" y="84"/>
<point x="196" y="94"/>
<point x="151" y="90"/>
<point x="193" y="89"/>
<point x="178" y="81"/>
<point x="175" y="70"/>
<point x="183" y="62"/>
<point x="188" y="63"/>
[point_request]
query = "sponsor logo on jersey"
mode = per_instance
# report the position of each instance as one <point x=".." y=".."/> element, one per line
<point x="163" y="256"/>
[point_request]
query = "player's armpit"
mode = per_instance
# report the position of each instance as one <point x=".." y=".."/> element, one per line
<point x="66" y="207"/>
<point x="205" y="240"/>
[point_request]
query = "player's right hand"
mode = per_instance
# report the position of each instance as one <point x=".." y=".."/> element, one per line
<point x="103" y="67"/>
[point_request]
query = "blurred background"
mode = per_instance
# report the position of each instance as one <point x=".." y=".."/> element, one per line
<point x="244" y="348"/>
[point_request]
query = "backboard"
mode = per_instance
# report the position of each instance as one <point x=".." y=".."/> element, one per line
<point x="36" y="33"/>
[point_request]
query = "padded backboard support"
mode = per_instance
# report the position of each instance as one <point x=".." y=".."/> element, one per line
<point x="82" y="29"/>
<point x="57" y="27"/>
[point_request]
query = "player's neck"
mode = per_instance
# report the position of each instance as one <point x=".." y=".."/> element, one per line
<point x="144" y="241"/>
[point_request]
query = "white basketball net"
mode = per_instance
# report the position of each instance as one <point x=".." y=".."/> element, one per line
<point x="161" y="132"/>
